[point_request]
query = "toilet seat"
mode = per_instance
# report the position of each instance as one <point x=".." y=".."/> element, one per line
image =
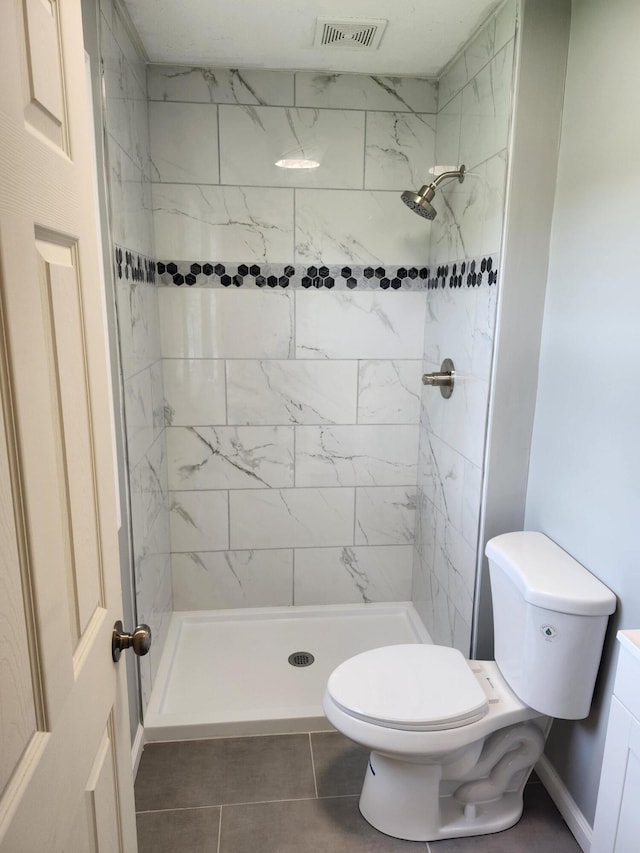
<point x="411" y="687"/>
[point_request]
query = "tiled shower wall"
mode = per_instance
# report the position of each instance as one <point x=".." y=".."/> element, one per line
<point x="472" y="128"/>
<point x="129" y="180"/>
<point x="292" y="397"/>
<point x="293" y="444"/>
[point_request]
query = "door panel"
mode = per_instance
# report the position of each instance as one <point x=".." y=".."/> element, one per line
<point x="65" y="768"/>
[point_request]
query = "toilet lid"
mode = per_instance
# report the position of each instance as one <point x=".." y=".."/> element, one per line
<point x="414" y="687"/>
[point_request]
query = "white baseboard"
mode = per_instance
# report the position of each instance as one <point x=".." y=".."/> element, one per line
<point x="136" y="750"/>
<point x="567" y="806"/>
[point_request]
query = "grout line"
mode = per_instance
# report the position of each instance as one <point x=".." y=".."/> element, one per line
<point x="220" y="829"/>
<point x="248" y="803"/>
<point x="313" y="766"/>
<point x="219" y="151"/>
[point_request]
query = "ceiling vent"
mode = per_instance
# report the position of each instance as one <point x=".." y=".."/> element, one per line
<point x="358" y="33"/>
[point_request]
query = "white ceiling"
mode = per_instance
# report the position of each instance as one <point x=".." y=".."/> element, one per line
<point x="420" y="38"/>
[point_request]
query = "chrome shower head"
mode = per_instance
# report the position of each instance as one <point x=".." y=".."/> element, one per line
<point x="420" y="202"/>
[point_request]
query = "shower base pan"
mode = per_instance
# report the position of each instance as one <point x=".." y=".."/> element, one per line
<point x="227" y="673"/>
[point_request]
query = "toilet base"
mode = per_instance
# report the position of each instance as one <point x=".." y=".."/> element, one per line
<point x="404" y="800"/>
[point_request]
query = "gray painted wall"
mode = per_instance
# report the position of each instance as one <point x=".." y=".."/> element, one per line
<point x="584" y="473"/>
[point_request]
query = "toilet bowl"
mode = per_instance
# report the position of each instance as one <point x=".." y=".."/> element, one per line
<point x="452" y="741"/>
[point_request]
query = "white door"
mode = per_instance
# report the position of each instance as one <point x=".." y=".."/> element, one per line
<point x="65" y="756"/>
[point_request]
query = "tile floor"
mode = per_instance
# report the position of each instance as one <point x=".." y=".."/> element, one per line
<point x="293" y="794"/>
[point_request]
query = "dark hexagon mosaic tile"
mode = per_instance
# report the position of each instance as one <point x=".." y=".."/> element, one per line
<point x="469" y="272"/>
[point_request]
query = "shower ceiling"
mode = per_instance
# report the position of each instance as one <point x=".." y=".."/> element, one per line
<point x="420" y="38"/>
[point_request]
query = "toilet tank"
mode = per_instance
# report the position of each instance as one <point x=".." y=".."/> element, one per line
<point x="550" y="615"/>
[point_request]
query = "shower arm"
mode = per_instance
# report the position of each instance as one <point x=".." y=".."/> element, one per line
<point x="455" y="173"/>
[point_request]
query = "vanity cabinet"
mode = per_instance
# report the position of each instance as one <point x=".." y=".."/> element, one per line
<point x="617" y="823"/>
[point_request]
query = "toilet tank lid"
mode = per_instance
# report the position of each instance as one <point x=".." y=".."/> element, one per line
<point x="549" y="577"/>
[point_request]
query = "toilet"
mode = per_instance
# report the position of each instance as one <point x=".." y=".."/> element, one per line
<point x="452" y="741"/>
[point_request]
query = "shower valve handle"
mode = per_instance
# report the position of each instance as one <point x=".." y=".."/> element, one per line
<point x="139" y="641"/>
<point x="443" y="379"/>
<point x="437" y="379"/>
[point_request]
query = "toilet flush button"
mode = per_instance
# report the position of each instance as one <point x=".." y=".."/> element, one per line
<point x="548" y="632"/>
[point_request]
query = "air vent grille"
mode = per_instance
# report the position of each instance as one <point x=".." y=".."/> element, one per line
<point x="353" y="33"/>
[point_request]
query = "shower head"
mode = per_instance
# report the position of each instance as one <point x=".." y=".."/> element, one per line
<point x="420" y="202"/>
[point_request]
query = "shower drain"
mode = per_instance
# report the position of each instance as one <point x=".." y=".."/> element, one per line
<point x="301" y="659"/>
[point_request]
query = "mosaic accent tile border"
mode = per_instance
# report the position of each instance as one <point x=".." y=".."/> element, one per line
<point x="298" y="276"/>
<point x="130" y="266"/>
<point x="469" y="272"/>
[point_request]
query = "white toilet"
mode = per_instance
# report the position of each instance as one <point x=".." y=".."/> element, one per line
<point x="453" y="741"/>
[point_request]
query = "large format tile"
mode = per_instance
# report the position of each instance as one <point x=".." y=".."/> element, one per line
<point x="359" y="227"/>
<point x="207" y="323"/>
<point x="352" y="575"/>
<point x="254" y="139"/>
<point x="199" y="521"/>
<point x="385" y="515"/>
<point x="291" y="518"/>
<point x="339" y="764"/>
<point x="194" y="391"/>
<point x="399" y="150"/>
<point x="365" y="325"/>
<point x="214" y="580"/>
<point x="219" y="85"/>
<point x="188" y="774"/>
<point x="365" y="455"/>
<point x="184" y="142"/>
<point x="186" y="830"/>
<point x="540" y="830"/>
<point x="389" y="391"/>
<point x="224" y="223"/>
<point x="365" y="92"/>
<point x="305" y="826"/>
<point x="291" y="392"/>
<point x="229" y="457"/>
<point x="485" y="110"/>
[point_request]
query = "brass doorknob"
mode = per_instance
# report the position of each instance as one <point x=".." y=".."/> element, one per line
<point x="139" y="641"/>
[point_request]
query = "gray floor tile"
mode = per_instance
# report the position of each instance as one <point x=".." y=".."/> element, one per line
<point x="339" y="763"/>
<point x="229" y="770"/>
<point x="306" y="826"/>
<point x="187" y="831"/>
<point x="540" y="830"/>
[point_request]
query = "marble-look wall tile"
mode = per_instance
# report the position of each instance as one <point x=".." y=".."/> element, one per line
<point x="184" y="143"/>
<point x="485" y="110"/>
<point x="226" y="223"/>
<point x="228" y="579"/>
<point x="441" y="477"/>
<point x="389" y="391"/>
<point x="199" y="521"/>
<point x="356" y="455"/>
<point x="194" y="392"/>
<point x="229" y="457"/>
<point x="357" y="575"/>
<point x="365" y="325"/>
<point x="361" y="91"/>
<point x="291" y="518"/>
<point x="291" y="392"/>
<point x="385" y="515"/>
<point x="358" y="227"/>
<point x="253" y="139"/>
<point x="447" y="142"/>
<point x="475" y="55"/>
<point x="206" y="323"/>
<point x="138" y="402"/>
<point x="399" y="150"/>
<point x="455" y="568"/>
<point x="219" y="85"/>
<point x="506" y="22"/>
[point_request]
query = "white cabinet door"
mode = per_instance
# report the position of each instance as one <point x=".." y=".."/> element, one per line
<point x="65" y="756"/>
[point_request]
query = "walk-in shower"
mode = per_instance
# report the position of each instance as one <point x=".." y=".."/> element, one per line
<point x="420" y="202"/>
